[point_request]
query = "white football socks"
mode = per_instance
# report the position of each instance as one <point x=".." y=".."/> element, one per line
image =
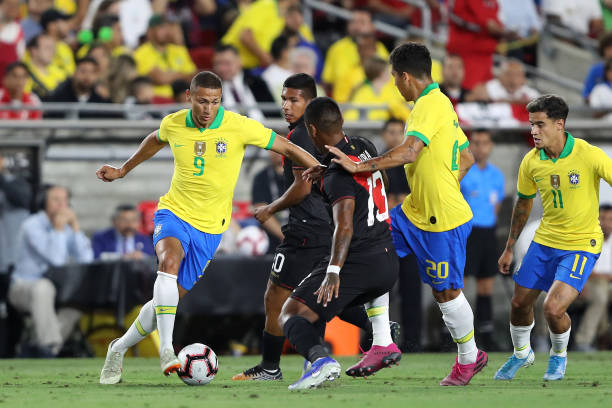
<point x="521" y="339"/>
<point x="378" y="313"/>
<point x="165" y="300"/>
<point x="559" y="343"/>
<point x="144" y="324"/>
<point x="459" y="320"/>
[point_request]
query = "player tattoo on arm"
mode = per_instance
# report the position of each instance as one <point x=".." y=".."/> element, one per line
<point x="520" y="215"/>
<point x="466" y="161"/>
<point x="407" y="152"/>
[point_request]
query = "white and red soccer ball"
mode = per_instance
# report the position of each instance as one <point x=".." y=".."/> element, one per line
<point x="252" y="241"/>
<point x="199" y="364"/>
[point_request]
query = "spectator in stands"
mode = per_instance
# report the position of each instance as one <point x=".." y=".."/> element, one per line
<point x="50" y="238"/>
<point x="474" y="32"/>
<point x="106" y="32"/>
<point x="13" y="93"/>
<point x="581" y="16"/>
<point x="343" y="55"/>
<point x="122" y="240"/>
<point x="45" y="76"/>
<point x="31" y="24"/>
<point x="294" y="20"/>
<point x="268" y="185"/>
<point x="15" y="201"/>
<point x="280" y="69"/>
<point x="353" y="77"/>
<point x="601" y="96"/>
<point x="522" y="18"/>
<point x="103" y="58"/>
<point x="606" y="11"/>
<point x="483" y="188"/>
<point x="141" y="93"/>
<point x="161" y="60"/>
<point x="81" y="88"/>
<point x="304" y="60"/>
<point x="121" y="73"/>
<point x="510" y="86"/>
<point x="378" y="89"/>
<point x="240" y="88"/>
<point x="453" y="72"/>
<point x="256" y="27"/>
<point x="178" y="91"/>
<point x="12" y="43"/>
<point x="596" y="293"/>
<point x="395" y="12"/>
<point x="596" y="73"/>
<point x="134" y="18"/>
<point x="55" y="24"/>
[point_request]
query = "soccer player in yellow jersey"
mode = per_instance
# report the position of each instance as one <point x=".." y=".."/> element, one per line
<point x="208" y="145"/>
<point x="566" y="171"/>
<point x="434" y="221"/>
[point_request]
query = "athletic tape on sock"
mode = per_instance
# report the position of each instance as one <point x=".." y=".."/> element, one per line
<point x="376" y="311"/>
<point x="139" y="328"/>
<point x="165" y="310"/>
<point x="465" y="338"/>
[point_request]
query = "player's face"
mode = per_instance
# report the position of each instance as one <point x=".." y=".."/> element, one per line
<point x="481" y="146"/>
<point x="126" y="222"/>
<point x="605" y="219"/>
<point x="293" y="104"/>
<point x="205" y="104"/>
<point x="545" y="131"/>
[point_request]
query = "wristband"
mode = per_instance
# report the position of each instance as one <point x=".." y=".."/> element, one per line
<point x="333" y="269"/>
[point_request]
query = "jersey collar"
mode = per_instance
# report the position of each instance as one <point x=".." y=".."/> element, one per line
<point x="214" y="125"/>
<point x="428" y="89"/>
<point x="567" y="149"/>
<point x="296" y="123"/>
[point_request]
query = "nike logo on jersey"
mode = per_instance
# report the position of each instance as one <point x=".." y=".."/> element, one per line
<point x="538" y="179"/>
<point x="178" y="145"/>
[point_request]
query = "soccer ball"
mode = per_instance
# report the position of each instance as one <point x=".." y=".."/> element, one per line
<point x="252" y="241"/>
<point x="199" y="364"/>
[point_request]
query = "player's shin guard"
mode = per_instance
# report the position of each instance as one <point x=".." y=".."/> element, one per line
<point x="165" y="300"/>
<point x="559" y="343"/>
<point x="521" y="339"/>
<point x="144" y="324"/>
<point x="378" y="313"/>
<point x="304" y="337"/>
<point x="271" y="350"/>
<point x="459" y="320"/>
<point x="357" y="316"/>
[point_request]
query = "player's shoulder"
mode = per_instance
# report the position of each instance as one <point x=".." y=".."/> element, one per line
<point x="531" y="155"/>
<point x="360" y="145"/>
<point x="176" y="116"/>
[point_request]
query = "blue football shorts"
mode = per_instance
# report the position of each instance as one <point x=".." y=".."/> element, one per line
<point x="199" y="247"/>
<point x="542" y="265"/>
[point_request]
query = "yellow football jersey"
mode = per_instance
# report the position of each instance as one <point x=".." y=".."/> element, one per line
<point x="569" y="187"/>
<point x="206" y="165"/>
<point x="435" y="202"/>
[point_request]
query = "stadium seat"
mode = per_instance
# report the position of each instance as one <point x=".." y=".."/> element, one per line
<point x="147" y="212"/>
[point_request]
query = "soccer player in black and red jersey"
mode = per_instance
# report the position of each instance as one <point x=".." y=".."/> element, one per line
<point x="363" y="264"/>
<point x="307" y="239"/>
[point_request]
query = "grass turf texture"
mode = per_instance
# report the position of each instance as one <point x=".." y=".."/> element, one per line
<point x="414" y="383"/>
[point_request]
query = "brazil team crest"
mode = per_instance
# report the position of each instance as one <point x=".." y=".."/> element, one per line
<point x="199" y="148"/>
<point x="221" y="147"/>
<point x="574" y="177"/>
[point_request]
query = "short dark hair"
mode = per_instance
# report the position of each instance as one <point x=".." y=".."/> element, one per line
<point x="304" y="83"/>
<point x="280" y="44"/>
<point x="554" y="106"/>
<point x="123" y="207"/>
<point x="13" y="66"/>
<point x="324" y="113"/>
<point x="392" y="121"/>
<point x="226" y="47"/>
<point x="139" y="81"/>
<point x="413" y="58"/>
<point x="605" y="41"/>
<point x="374" y="67"/>
<point x="605" y="207"/>
<point x="85" y="60"/>
<point x="206" y="79"/>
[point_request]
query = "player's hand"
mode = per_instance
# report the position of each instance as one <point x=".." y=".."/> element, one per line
<point x="262" y="213"/>
<point x="342" y="159"/>
<point x="108" y="173"/>
<point x="314" y="173"/>
<point x="329" y="288"/>
<point x="504" y="261"/>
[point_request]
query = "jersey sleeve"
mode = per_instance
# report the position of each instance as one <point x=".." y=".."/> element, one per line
<point x="424" y="122"/>
<point x="162" y="133"/>
<point x="301" y="138"/>
<point x="462" y="139"/>
<point x="338" y="185"/>
<point x="256" y="134"/>
<point x="526" y="187"/>
<point x="603" y="165"/>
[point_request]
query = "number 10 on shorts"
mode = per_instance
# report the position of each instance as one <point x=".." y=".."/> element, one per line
<point x="437" y="270"/>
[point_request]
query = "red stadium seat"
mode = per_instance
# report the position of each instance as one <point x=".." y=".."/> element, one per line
<point x="147" y="212"/>
<point x="202" y="57"/>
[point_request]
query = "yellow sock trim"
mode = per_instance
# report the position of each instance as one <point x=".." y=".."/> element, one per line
<point x="560" y="351"/>
<point x="376" y="311"/>
<point x="522" y="348"/>
<point x="465" y="338"/>
<point x="165" y="310"/>
<point x="139" y="328"/>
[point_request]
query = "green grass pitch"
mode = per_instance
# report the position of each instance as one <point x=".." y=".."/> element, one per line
<point x="70" y="383"/>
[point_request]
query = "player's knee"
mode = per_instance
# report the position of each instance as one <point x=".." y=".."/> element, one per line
<point x="520" y="304"/>
<point x="553" y="310"/>
<point x="274" y="298"/>
<point x="169" y="262"/>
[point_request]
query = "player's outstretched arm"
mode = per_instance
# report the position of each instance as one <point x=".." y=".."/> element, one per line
<point x="295" y="153"/>
<point x="343" y="211"/>
<point x="520" y="215"/>
<point x="294" y="195"/>
<point x="466" y="161"/>
<point x="147" y="149"/>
